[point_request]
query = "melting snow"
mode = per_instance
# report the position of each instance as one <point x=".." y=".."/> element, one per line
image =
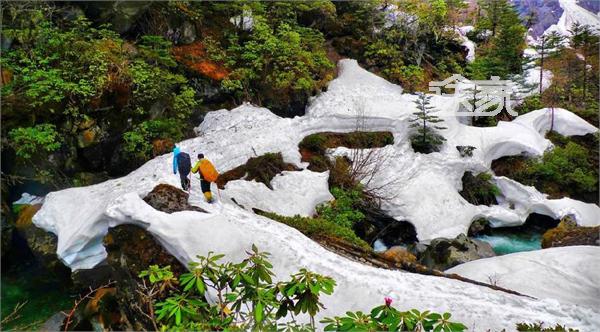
<point x="427" y="195"/>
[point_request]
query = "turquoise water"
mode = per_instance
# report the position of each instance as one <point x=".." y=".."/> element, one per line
<point x="509" y="243"/>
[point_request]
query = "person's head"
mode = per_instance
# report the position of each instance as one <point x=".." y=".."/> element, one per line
<point x="176" y="150"/>
<point x="200" y="155"/>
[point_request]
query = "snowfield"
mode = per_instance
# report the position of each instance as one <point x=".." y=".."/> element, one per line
<point x="426" y="194"/>
<point x="573" y="13"/>
<point x="542" y="273"/>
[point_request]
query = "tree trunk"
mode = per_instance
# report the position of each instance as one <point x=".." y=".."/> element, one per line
<point x="541" y="67"/>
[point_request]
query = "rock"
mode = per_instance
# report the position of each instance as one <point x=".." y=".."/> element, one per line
<point x="188" y="34"/>
<point x="465" y="150"/>
<point x="41" y="243"/>
<point x="54" y="323"/>
<point x="162" y="146"/>
<point x="479" y="227"/>
<point x="443" y="253"/>
<point x="132" y="249"/>
<point x="398" y="254"/>
<point x="568" y="233"/>
<point x="169" y="199"/>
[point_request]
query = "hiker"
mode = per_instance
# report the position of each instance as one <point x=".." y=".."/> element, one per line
<point x="183" y="164"/>
<point x="207" y="173"/>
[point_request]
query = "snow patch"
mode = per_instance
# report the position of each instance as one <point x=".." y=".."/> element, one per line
<point x="543" y="273"/>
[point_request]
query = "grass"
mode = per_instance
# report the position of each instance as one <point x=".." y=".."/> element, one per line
<point x="317" y="227"/>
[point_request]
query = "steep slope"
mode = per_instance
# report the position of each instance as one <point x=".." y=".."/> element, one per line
<point x="427" y="187"/>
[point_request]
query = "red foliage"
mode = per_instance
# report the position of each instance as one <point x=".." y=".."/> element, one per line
<point x="194" y="57"/>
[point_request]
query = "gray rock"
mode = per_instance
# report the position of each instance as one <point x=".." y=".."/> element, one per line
<point x="443" y="253"/>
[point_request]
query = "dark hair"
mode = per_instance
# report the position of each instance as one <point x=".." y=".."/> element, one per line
<point x="200" y="155"/>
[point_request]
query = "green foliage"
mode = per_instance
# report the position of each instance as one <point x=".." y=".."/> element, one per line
<point x="30" y="141"/>
<point x="479" y="189"/>
<point x="500" y="37"/>
<point x="138" y="142"/>
<point x="539" y="327"/>
<point x="343" y="210"/>
<point x="65" y="72"/>
<point x="157" y="274"/>
<point x="277" y="64"/>
<point x="567" y="167"/>
<point x="315" y="143"/>
<point x="246" y="296"/>
<point x="426" y="140"/>
<point x="388" y="318"/>
<point x="530" y="104"/>
<point x="317" y="227"/>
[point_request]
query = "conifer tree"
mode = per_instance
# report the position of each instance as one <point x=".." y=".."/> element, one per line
<point x="427" y="139"/>
<point x="548" y="45"/>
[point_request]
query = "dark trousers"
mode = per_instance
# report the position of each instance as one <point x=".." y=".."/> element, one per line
<point x="205" y="186"/>
<point x="185" y="181"/>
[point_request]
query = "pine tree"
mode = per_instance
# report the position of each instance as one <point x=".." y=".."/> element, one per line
<point x="548" y="45"/>
<point x="585" y="41"/>
<point x="427" y="139"/>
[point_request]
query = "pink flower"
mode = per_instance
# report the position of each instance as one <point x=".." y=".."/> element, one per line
<point x="388" y="301"/>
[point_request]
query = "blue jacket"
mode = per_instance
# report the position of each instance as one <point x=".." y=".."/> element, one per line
<point x="175" y="153"/>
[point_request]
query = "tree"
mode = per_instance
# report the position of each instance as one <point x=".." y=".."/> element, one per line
<point x="585" y="41"/>
<point x="427" y="140"/>
<point x="548" y="45"/>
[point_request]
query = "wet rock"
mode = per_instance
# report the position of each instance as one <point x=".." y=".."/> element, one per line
<point x="41" y="243"/>
<point x="54" y="323"/>
<point x="443" y="253"/>
<point x="132" y="249"/>
<point x="169" y="199"/>
<point x="568" y="233"/>
<point x="479" y="227"/>
<point x="399" y="254"/>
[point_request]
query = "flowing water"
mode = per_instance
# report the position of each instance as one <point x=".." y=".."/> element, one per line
<point x="509" y="243"/>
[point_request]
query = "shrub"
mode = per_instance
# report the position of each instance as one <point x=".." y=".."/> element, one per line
<point x="568" y="167"/>
<point x="343" y="210"/>
<point x="30" y="141"/>
<point x="246" y="296"/>
<point x="479" y="189"/>
<point x="138" y="142"/>
<point x="318" y="227"/>
<point x="387" y="318"/>
<point x="539" y="327"/>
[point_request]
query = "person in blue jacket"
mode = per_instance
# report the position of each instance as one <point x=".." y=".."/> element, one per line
<point x="183" y="164"/>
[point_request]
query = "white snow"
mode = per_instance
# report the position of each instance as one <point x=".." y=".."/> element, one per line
<point x="426" y="188"/>
<point x="466" y="42"/>
<point x="565" y="274"/>
<point x="27" y="198"/>
<point x="294" y="193"/>
<point x="573" y="13"/>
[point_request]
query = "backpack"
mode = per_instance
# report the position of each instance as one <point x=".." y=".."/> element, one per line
<point x="209" y="173"/>
<point x="184" y="163"/>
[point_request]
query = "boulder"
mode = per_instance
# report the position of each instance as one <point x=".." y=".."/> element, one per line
<point x="568" y="233"/>
<point x="479" y="227"/>
<point x="442" y="253"/>
<point x="398" y="254"/>
<point x="41" y="243"/>
<point x="169" y="199"/>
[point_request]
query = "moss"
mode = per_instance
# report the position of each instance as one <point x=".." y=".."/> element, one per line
<point x="317" y="227"/>
<point x="313" y="147"/>
<point x="479" y="189"/>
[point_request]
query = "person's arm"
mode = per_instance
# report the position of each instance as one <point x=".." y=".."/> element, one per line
<point x="196" y="167"/>
<point x="174" y="163"/>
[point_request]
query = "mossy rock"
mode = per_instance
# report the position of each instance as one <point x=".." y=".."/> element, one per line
<point x="568" y="233"/>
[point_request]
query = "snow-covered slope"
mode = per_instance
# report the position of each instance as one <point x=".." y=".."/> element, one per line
<point x="567" y="274"/>
<point x="426" y="186"/>
<point x="573" y="13"/>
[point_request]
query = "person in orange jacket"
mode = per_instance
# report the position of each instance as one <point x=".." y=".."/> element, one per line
<point x="207" y="172"/>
